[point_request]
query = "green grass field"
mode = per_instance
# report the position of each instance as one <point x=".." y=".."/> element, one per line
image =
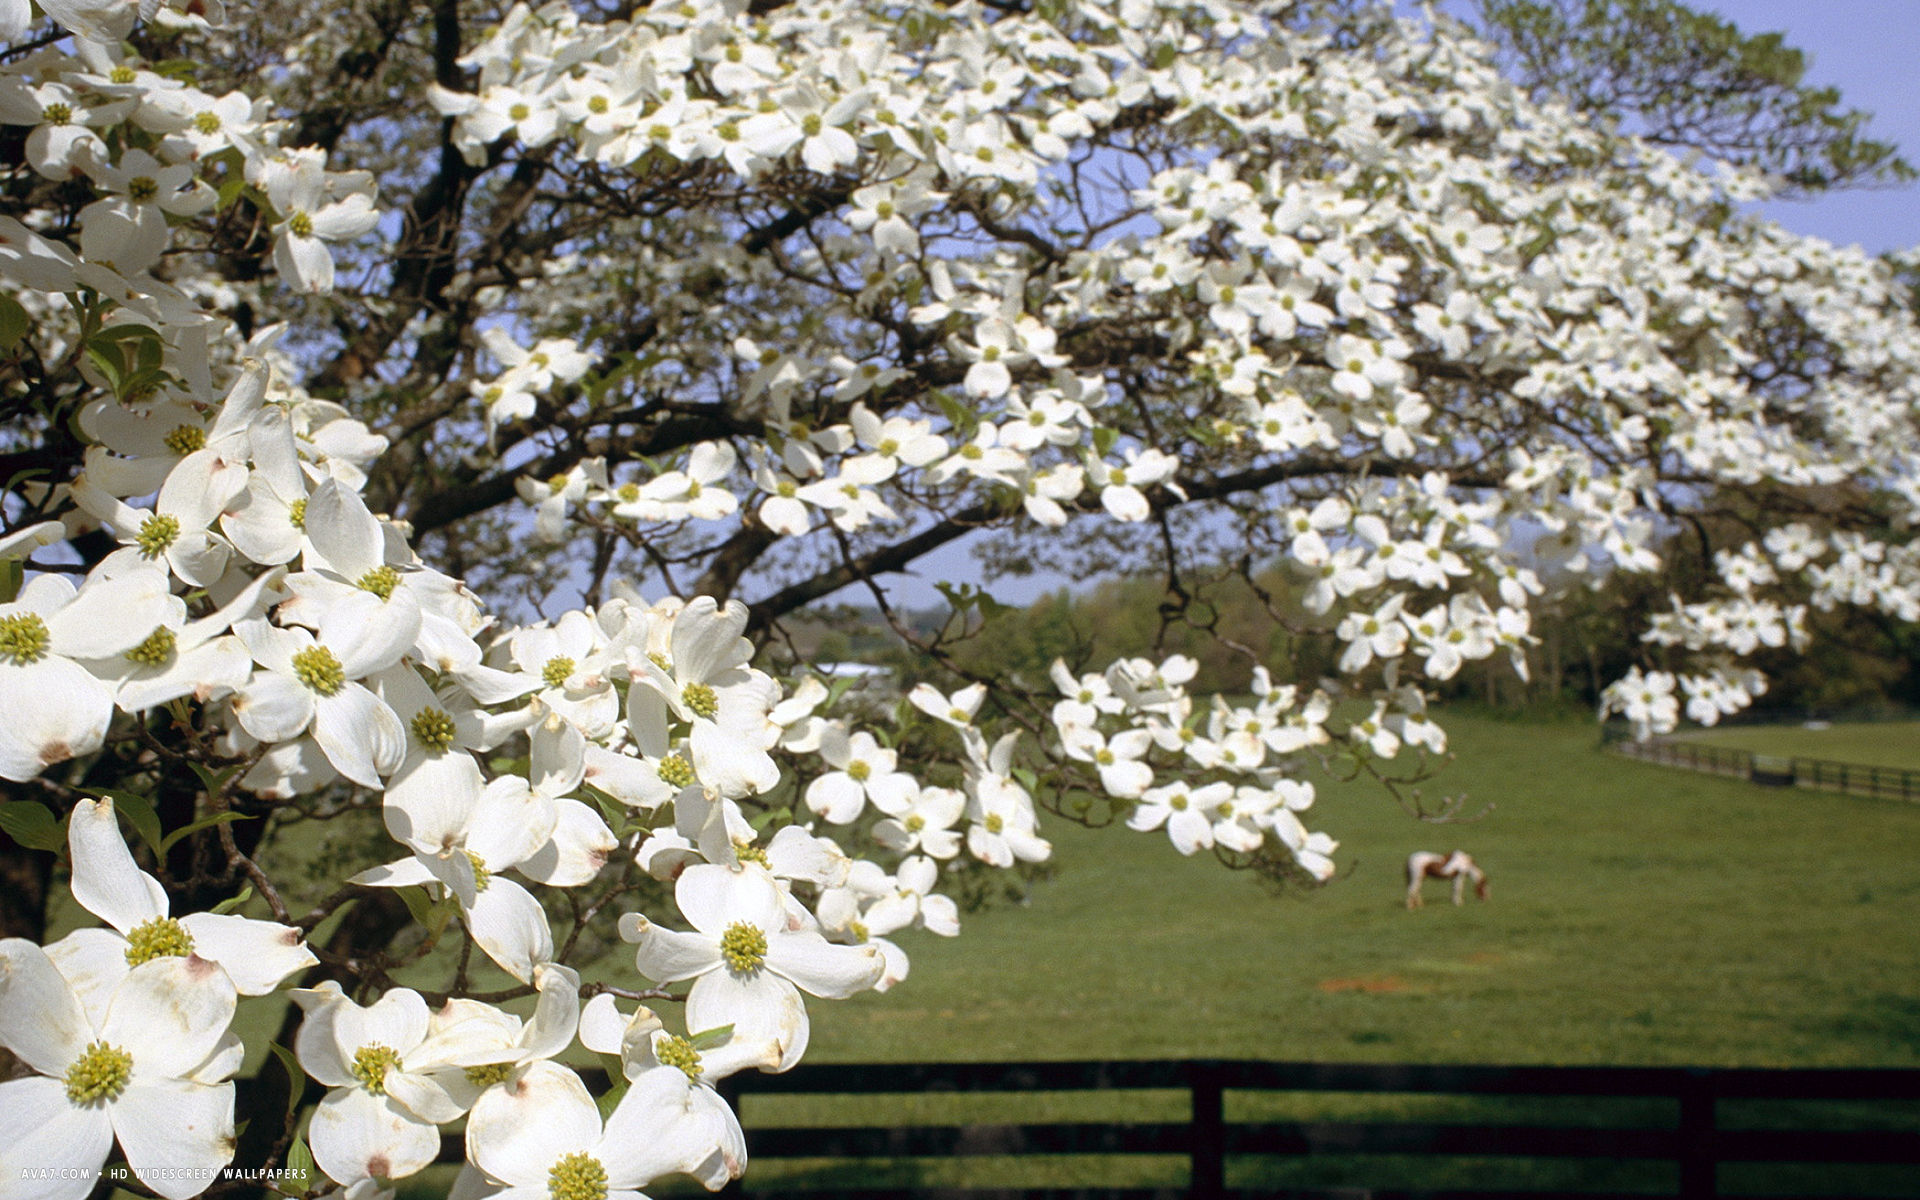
<point x="1639" y="915"/>
<point x="1890" y="744"/>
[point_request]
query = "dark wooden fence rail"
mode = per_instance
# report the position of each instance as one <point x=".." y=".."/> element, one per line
<point x="1854" y="777"/>
<point x="1857" y="778"/>
<point x="1697" y="1140"/>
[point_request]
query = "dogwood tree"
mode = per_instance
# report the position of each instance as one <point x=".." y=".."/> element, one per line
<point x="421" y="418"/>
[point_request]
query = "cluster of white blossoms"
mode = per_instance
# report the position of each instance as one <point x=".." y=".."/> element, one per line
<point x="1435" y="348"/>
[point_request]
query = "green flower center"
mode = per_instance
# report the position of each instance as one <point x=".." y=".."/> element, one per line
<point x="1104" y="758"/>
<point x="142" y="188"/>
<point x="371" y="1064"/>
<point x="380" y="581"/>
<point x="489" y="1075"/>
<point x="1178" y="804"/>
<point x="676" y="771"/>
<point x="481" y="876"/>
<point x="744" y="946"/>
<point x="297" y="513"/>
<point x="23" y="638"/>
<point x="859" y="771"/>
<point x="319" y="670"/>
<point x="629" y="492"/>
<point x="157" y="532"/>
<point x="162" y="937"/>
<point x="557" y="671"/>
<point x="995" y="823"/>
<point x="57" y="114"/>
<point x="810" y="124"/>
<point x="433" y="729"/>
<point x="786" y="489"/>
<point x="207" y="123"/>
<point x="748" y="852"/>
<point x="520" y="112"/>
<point x="100" y="1073"/>
<point x="857" y="930"/>
<point x="700" y="700"/>
<point x="915" y="823"/>
<point x="888" y="447"/>
<point x="679" y="1052"/>
<point x="300" y="225"/>
<point x="557" y="483"/>
<point x="597" y="104"/>
<point x="156" y="650"/>
<point x="122" y="75"/>
<point x="958" y="716"/>
<point x="185" y="439"/>
<point x="578" y="1176"/>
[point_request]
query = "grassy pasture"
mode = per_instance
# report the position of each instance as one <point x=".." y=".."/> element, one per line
<point x="1889" y="744"/>
<point x="1640" y="915"/>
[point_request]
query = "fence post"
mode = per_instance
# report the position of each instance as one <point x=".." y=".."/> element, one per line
<point x="1207" y="1174"/>
<point x="1699" y="1156"/>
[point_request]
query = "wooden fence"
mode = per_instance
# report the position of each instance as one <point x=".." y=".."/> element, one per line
<point x="1688" y="1124"/>
<point x="1857" y="778"/>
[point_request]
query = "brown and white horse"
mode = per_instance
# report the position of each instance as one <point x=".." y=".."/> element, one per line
<point x="1458" y="866"/>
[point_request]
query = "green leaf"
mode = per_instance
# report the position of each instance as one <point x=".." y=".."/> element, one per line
<point x="233" y="902"/>
<point x="213" y="781"/>
<point x="220" y="818"/>
<point x="32" y="824"/>
<point x="1104" y="436"/>
<point x="616" y="813"/>
<point x="296" y="1078"/>
<point x="417" y="904"/>
<point x="138" y="810"/>
<point x="12" y="574"/>
<point x="15" y="324"/>
<point x="708" y="1039"/>
<point x="299" y="1168"/>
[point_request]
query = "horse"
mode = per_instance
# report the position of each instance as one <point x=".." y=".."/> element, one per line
<point x="1458" y="866"/>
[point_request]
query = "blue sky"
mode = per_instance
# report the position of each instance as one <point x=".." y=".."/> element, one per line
<point x="1869" y="49"/>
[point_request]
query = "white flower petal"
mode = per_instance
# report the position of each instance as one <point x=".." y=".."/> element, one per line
<point x="359" y="733"/>
<point x="715" y="897"/>
<point x="822" y="967"/>
<point x="658" y="1128"/>
<point x="93" y="961"/>
<point x="50" y="711"/>
<point x="763" y="1009"/>
<point x="257" y="955"/>
<point x="105" y="880"/>
<point x="516" y="1133"/>
<point x="357" y="1135"/>
<point x="576" y="850"/>
<point x="41" y="1019"/>
<point x="431" y="799"/>
<point x="39" y="1129"/>
<point x="186" y="1128"/>
<point x="509" y="924"/>
<point x="274" y="707"/>
<point x="170" y="1013"/>
<point x="666" y="956"/>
